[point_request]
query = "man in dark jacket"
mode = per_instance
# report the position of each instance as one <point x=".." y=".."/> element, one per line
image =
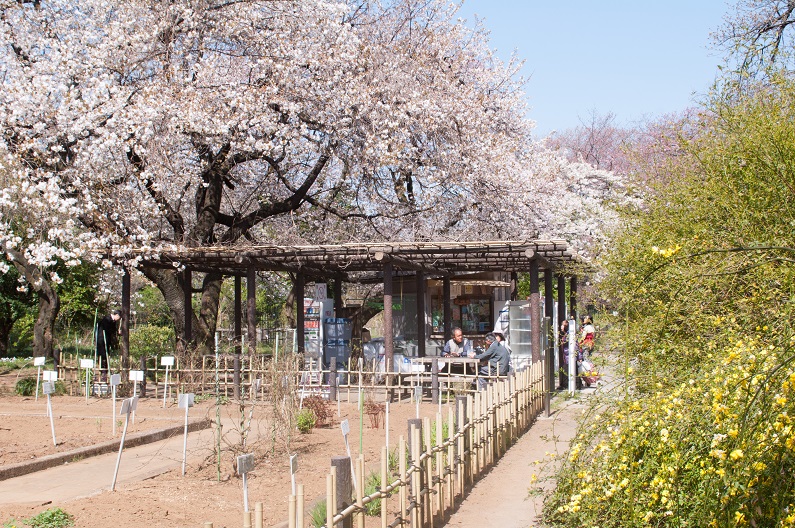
<point x="107" y="339"/>
<point x="496" y="360"/>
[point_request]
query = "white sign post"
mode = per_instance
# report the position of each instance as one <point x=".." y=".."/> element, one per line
<point x="87" y="364"/>
<point x="293" y="469"/>
<point x="49" y="388"/>
<point x="572" y="355"/>
<point x="52" y="376"/>
<point x="346" y="429"/>
<point x="38" y="362"/>
<point x="115" y="381"/>
<point x="185" y="402"/>
<point x="127" y="406"/>
<point x="245" y="463"/>
<point x="136" y="376"/>
<point x="166" y="361"/>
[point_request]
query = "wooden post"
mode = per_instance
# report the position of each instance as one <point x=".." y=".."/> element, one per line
<point x="435" y="381"/>
<point x="344" y="485"/>
<point x="291" y="512"/>
<point x="187" y="293"/>
<point x="236" y="376"/>
<point x="329" y="500"/>
<point x="573" y="297"/>
<point x="143" y="383"/>
<point x="389" y="338"/>
<point x="332" y="379"/>
<point x="535" y="312"/>
<point x="238" y="337"/>
<point x="447" y="309"/>
<point x="299" y="316"/>
<point x="421" y="314"/>
<point x="251" y="310"/>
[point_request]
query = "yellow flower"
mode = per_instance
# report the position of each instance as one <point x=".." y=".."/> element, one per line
<point x="736" y="454"/>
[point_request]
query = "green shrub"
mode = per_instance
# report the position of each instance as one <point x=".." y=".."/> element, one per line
<point x="318" y="514"/>
<point x="372" y="484"/>
<point x="52" y="518"/>
<point x="25" y="386"/>
<point x="305" y="420"/>
<point x="150" y="340"/>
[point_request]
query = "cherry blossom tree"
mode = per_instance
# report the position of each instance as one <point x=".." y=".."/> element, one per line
<point x="164" y="124"/>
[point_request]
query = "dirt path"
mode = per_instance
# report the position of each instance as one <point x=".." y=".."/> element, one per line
<point x="507" y="496"/>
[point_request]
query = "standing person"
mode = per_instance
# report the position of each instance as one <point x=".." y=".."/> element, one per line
<point x="497" y="360"/>
<point x="458" y="346"/>
<point x="107" y="339"/>
<point x="563" y="354"/>
<point x="587" y="337"/>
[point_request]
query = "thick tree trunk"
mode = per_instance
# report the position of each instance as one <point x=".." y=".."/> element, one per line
<point x="172" y="287"/>
<point x="49" y="306"/>
<point x="6" y="324"/>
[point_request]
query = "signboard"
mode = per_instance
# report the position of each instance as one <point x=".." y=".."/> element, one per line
<point x="39" y="361"/>
<point x="129" y="405"/>
<point x="86" y="363"/>
<point x="115" y="380"/>
<point x="167" y="361"/>
<point x="346" y="428"/>
<point x="136" y="375"/>
<point x="48" y="387"/>
<point x="293" y="464"/>
<point x="320" y="291"/>
<point x="50" y="375"/>
<point x="186" y="400"/>
<point x="245" y="463"/>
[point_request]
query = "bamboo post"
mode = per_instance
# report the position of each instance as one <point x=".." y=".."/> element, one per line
<point x="291" y="512"/>
<point x="247" y="519"/>
<point x="474" y="447"/>
<point x="403" y="479"/>
<point x="299" y="507"/>
<point x="449" y="482"/>
<point x="384" y="484"/>
<point x="427" y="502"/>
<point x="258" y="517"/>
<point x="461" y="402"/>
<point x="334" y="499"/>
<point x="329" y="497"/>
<point x="208" y="525"/>
<point x="439" y="499"/>
<point x="416" y="478"/>
<point x="360" y="491"/>
<point x="478" y="428"/>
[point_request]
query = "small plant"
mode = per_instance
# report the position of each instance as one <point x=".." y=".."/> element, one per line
<point x="321" y="408"/>
<point x="25" y="386"/>
<point x="374" y="411"/>
<point x="318" y="514"/>
<point x="305" y="420"/>
<point x="372" y="485"/>
<point x="52" y="518"/>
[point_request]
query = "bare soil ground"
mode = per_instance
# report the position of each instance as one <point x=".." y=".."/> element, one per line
<point x="173" y="500"/>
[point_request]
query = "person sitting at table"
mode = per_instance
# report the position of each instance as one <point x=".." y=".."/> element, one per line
<point x="458" y="346"/>
<point x="496" y="360"/>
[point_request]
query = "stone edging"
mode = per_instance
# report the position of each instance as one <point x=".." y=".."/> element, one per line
<point x="46" y="462"/>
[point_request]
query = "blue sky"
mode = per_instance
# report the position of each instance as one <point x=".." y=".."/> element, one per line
<point x="635" y="58"/>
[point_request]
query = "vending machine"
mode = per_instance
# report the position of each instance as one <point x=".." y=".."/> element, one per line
<point x="315" y="312"/>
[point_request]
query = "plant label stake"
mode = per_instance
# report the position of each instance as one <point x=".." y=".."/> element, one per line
<point x="346" y="429"/>
<point x="52" y="376"/>
<point x="166" y="361"/>
<point x="572" y="355"/>
<point x="185" y="402"/>
<point x="115" y="380"/>
<point x="38" y="362"/>
<point x="417" y="398"/>
<point x="136" y="376"/>
<point x="361" y="421"/>
<point x="245" y="463"/>
<point x="127" y="406"/>
<point x="87" y="364"/>
<point x="293" y="469"/>
<point x="49" y="388"/>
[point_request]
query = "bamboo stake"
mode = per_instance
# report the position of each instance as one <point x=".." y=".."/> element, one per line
<point x="427" y="501"/>
<point x="403" y="478"/>
<point x="291" y="512"/>
<point x="439" y="499"/>
<point x="416" y="478"/>
<point x="360" y="491"/>
<point x="258" y="519"/>
<point x="333" y="493"/>
<point x="473" y="437"/>
<point x="299" y="506"/>
<point x="384" y="484"/>
<point x="449" y="483"/>
<point x="459" y="464"/>
<point x="246" y="519"/>
<point x="329" y="499"/>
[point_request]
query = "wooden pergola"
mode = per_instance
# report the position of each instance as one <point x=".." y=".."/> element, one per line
<point x="379" y="261"/>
